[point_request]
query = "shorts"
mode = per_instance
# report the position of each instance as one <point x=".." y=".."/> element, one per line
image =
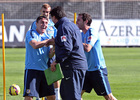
<point x="50" y="61"/>
<point x="97" y="80"/>
<point x="35" y="84"/>
<point x="71" y="84"/>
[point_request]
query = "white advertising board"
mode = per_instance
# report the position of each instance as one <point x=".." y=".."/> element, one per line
<point x="118" y="32"/>
<point x="112" y="32"/>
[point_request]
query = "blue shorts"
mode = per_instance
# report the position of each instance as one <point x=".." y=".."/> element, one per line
<point x="71" y="84"/>
<point x="35" y="84"/>
<point x="97" y="80"/>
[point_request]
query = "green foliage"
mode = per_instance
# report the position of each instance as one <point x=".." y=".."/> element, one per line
<point x="123" y="73"/>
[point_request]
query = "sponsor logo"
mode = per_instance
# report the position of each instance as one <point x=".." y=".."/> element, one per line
<point x="102" y="92"/>
<point x="67" y="78"/>
<point x="67" y="66"/>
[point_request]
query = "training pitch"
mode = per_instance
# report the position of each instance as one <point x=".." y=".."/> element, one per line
<point x="123" y="66"/>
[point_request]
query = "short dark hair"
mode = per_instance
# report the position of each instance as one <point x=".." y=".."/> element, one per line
<point x="41" y="17"/>
<point x="85" y="17"/>
<point x="58" y="12"/>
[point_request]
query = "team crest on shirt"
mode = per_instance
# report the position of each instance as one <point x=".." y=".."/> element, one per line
<point x="28" y="91"/>
<point x="89" y="39"/>
<point x="51" y="28"/>
<point x="63" y="38"/>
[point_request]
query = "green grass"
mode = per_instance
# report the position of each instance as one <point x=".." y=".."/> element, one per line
<point x="123" y="67"/>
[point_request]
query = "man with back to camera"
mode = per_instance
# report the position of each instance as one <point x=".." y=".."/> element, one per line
<point x="36" y="59"/>
<point x="96" y="63"/>
<point x="51" y="32"/>
<point x="70" y="54"/>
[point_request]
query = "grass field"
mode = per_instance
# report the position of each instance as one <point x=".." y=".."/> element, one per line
<point x="123" y="67"/>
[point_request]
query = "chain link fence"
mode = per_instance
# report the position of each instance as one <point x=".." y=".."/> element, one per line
<point x="115" y="9"/>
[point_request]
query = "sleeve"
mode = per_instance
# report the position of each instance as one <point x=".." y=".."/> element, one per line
<point x="33" y="26"/>
<point x="93" y="37"/>
<point x="30" y="36"/>
<point x="55" y="31"/>
<point x="64" y="44"/>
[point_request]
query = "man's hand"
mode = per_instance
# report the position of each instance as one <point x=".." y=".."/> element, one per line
<point x="53" y="68"/>
<point x="52" y="52"/>
<point x="87" y="47"/>
<point x="50" y="42"/>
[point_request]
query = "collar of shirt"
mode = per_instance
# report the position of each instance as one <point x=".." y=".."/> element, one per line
<point x="64" y="19"/>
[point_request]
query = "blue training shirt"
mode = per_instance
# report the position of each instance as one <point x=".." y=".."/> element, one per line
<point x="36" y="58"/>
<point x="51" y="30"/>
<point x="95" y="57"/>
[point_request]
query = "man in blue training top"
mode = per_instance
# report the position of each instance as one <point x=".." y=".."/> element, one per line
<point x="51" y="32"/>
<point x="96" y="75"/>
<point x="45" y="11"/>
<point x="37" y="55"/>
<point x="70" y="54"/>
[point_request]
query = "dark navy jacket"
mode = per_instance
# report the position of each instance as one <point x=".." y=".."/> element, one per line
<point x="68" y="45"/>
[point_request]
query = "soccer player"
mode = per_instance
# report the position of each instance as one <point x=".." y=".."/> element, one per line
<point x="45" y="11"/>
<point x="51" y="32"/>
<point x="96" y="75"/>
<point x="70" y="54"/>
<point x="37" y="55"/>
